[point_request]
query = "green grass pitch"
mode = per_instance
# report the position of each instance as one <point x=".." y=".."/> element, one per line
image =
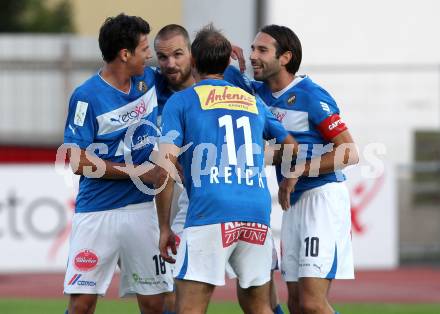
<point x="57" y="306"/>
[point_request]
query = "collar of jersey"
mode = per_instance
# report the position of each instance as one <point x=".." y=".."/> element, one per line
<point x="108" y="84"/>
<point x="291" y="84"/>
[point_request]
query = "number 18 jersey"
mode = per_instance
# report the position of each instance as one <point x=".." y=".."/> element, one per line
<point x="223" y="128"/>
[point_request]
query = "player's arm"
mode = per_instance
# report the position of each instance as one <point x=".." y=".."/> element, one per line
<point x="343" y="154"/>
<point x="168" y="160"/>
<point x="324" y="114"/>
<point x="237" y="54"/>
<point x="90" y="165"/>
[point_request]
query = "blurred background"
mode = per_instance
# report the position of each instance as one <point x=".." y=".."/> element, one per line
<point x="379" y="59"/>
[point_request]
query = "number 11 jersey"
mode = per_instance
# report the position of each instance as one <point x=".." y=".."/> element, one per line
<point x="222" y="128"/>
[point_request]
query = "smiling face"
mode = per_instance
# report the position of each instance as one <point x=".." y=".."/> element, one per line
<point x="174" y="59"/>
<point x="264" y="60"/>
<point x="137" y="61"/>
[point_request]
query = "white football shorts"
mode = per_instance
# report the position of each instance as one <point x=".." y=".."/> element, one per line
<point x="205" y="251"/>
<point x="178" y="226"/>
<point x="128" y="237"/>
<point x="316" y="235"/>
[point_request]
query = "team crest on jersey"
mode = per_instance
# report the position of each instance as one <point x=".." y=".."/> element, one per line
<point x="142" y="86"/>
<point x="225" y="97"/>
<point x="291" y="100"/>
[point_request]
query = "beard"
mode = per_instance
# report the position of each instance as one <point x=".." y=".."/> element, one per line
<point x="177" y="78"/>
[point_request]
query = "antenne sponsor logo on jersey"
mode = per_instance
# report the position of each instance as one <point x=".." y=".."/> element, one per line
<point x="85" y="260"/>
<point x="250" y="232"/>
<point x="226" y="97"/>
<point x="127" y="115"/>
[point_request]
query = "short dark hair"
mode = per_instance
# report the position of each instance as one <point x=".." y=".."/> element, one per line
<point x="286" y="40"/>
<point x="211" y="51"/>
<point x="121" y="32"/>
<point x="171" y="30"/>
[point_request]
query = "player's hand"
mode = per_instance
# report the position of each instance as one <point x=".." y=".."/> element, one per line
<point x="237" y="54"/>
<point x="286" y="187"/>
<point x="167" y="240"/>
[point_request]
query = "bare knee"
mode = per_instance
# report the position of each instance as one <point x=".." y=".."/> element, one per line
<point x="312" y="306"/>
<point x="82" y="304"/>
<point x="153" y="304"/>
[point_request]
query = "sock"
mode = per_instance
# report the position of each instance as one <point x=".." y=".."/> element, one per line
<point x="66" y="312"/>
<point x="278" y="310"/>
<point x="336" y="312"/>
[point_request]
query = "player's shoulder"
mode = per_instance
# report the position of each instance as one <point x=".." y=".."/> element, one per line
<point x="148" y="79"/>
<point x="313" y="93"/>
<point x="87" y="90"/>
<point x="180" y="98"/>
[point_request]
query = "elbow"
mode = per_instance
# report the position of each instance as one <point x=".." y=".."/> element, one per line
<point x="353" y="157"/>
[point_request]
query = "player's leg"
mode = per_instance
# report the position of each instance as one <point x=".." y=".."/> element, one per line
<point x="255" y="300"/>
<point x="200" y="266"/>
<point x="274" y="299"/>
<point x="313" y="296"/>
<point x="153" y="304"/>
<point x="82" y="303"/>
<point x="273" y="295"/>
<point x="325" y="252"/>
<point x="143" y="271"/>
<point x="290" y="249"/>
<point x="170" y="303"/>
<point x="251" y="260"/>
<point x="192" y="296"/>
<point x="293" y="297"/>
<point x="93" y="255"/>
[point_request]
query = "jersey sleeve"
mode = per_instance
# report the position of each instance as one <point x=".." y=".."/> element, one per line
<point x="81" y="123"/>
<point x="272" y="127"/>
<point x="172" y="121"/>
<point x="324" y="113"/>
<point x="236" y="78"/>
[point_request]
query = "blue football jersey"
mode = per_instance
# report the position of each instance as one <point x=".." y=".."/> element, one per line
<point x="310" y="114"/>
<point x="164" y="92"/>
<point x="224" y="127"/>
<point x="123" y="124"/>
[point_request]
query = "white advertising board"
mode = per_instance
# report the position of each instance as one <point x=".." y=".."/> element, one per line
<point x="36" y="208"/>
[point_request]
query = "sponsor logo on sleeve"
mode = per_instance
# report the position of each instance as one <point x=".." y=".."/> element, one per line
<point x="226" y="97"/>
<point x="80" y="113"/>
<point x="85" y="260"/>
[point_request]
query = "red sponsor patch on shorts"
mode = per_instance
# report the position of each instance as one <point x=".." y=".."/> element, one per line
<point x="250" y="232"/>
<point x="85" y="260"/>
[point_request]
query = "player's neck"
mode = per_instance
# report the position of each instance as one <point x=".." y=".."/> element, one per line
<point x="199" y="77"/>
<point x="189" y="82"/>
<point x="280" y="81"/>
<point x="116" y="76"/>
